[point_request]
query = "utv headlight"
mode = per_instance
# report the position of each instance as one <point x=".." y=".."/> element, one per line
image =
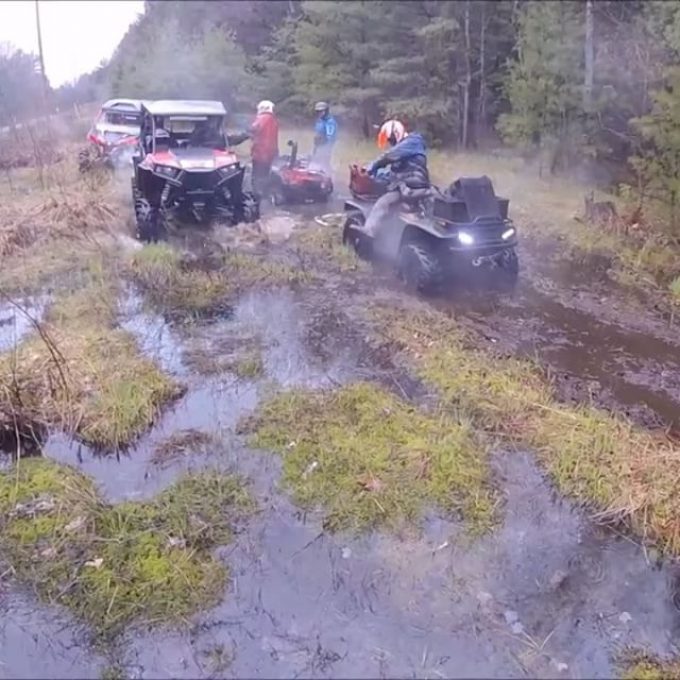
<point x="465" y="238"/>
<point x="229" y="171"/>
<point x="166" y="171"/>
<point x="507" y="233"/>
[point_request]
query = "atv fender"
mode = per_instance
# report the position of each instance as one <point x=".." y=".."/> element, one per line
<point x="351" y="205"/>
<point x="413" y="222"/>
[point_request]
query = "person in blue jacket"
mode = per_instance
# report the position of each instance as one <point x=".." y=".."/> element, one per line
<point x="325" y="134"/>
<point x="406" y="162"/>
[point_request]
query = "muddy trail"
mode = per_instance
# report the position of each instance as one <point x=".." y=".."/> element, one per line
<point x="548" y="593"/>
<point x="600" y="344"/>
<point x="624" y="365"/>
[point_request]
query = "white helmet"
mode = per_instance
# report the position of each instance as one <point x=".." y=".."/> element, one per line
<point x="391" y="132"/>
<point x="265" y="106"/>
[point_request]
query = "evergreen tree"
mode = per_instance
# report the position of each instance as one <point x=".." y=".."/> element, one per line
<point x="659" y="164"/>
<point x="544" y="85"/>
<point x="336" y="46"/>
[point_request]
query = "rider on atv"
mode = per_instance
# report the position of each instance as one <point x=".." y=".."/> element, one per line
<point x="407" y="174"/>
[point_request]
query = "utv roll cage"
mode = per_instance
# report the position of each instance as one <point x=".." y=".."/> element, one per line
<point x="156" y="115"/>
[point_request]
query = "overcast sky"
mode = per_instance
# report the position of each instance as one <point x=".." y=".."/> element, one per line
<point x="76" y="34"/>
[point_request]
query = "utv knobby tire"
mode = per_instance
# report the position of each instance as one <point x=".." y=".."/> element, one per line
<point x="420" y="267"/>
<point x="251" y="207"/>
<point x="149" y="221"/>
<point x="85" y="160"/>
<point x="360" y="242"/>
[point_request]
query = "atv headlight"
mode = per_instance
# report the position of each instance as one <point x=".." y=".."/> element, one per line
<point x="166" y="171"/>
<point x="507" y="233"/>
<point x="465" y="238"/>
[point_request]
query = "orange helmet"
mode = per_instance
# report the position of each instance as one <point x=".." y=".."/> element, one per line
<point x="391" y="133"/>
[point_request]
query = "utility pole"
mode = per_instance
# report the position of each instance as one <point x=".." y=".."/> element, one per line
<point x="589" y="59"/>
<point x="41" y="56"/>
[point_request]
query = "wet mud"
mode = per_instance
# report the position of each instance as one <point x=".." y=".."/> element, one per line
<point x="547" y="593"/>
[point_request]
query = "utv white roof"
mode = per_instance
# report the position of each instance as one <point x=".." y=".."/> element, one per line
<point x="123" y="104"/>
<point x="181" y="107"/>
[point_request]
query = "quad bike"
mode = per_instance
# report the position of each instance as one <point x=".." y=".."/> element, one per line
<point x="113" y="137"/>
<point x="184" y="170"/>
<point x="296" y="179"/>
<point x="433" y="238"/>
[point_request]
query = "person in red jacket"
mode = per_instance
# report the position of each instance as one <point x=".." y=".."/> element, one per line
<point x="265" y="145"/>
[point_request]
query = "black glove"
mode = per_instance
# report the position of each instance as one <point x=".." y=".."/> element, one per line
<point x="238" y="138"/>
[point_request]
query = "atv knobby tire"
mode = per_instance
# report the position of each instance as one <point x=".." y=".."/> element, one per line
<point x="510" y="264"/>
<point x="508" y="270"/>
<point x="277" y="197"/>
<point x="419" y="267"/>
<point x="355" y="238"/>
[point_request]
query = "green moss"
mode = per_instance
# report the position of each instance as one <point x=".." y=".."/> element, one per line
<point x="627" y="473"/>
<point x="674" y="288"/>
<point x="188" y="288"/>
<point x="114" y="564"/>
<point x="172" y="287"/>
<point x="644" y="667"/>
<point x="371" y="459"/>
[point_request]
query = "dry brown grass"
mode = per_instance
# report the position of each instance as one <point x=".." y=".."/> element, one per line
<point x="181" y="445"/>
<point x="46" y="234"/>
<point x="640" y="666"/>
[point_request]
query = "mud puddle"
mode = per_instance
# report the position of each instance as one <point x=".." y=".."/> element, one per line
<point x="575" y="321"/>
<point x="592" y="359"/>
<point x="544" y="595"/>
<point x="273" y="324"/>
<point x="18" y="319"/>
<point x="37" y="641"/>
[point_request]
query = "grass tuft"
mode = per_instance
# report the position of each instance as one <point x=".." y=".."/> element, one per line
<point x="326" y="243"/>
<point x="83" y="374"/>
<point x="115" y="564"/>
<point x="184" y="288"/>
<point x="370" y="459"/>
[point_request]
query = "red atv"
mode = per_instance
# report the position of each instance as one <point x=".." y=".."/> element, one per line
<point x="113" y="136"/>
<point x="297" y="179"/>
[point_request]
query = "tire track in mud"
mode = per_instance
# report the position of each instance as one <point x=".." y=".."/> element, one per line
<point x="591" y="359"/>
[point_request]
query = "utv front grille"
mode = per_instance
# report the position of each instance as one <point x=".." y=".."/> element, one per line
<point x="199" y="181"/>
